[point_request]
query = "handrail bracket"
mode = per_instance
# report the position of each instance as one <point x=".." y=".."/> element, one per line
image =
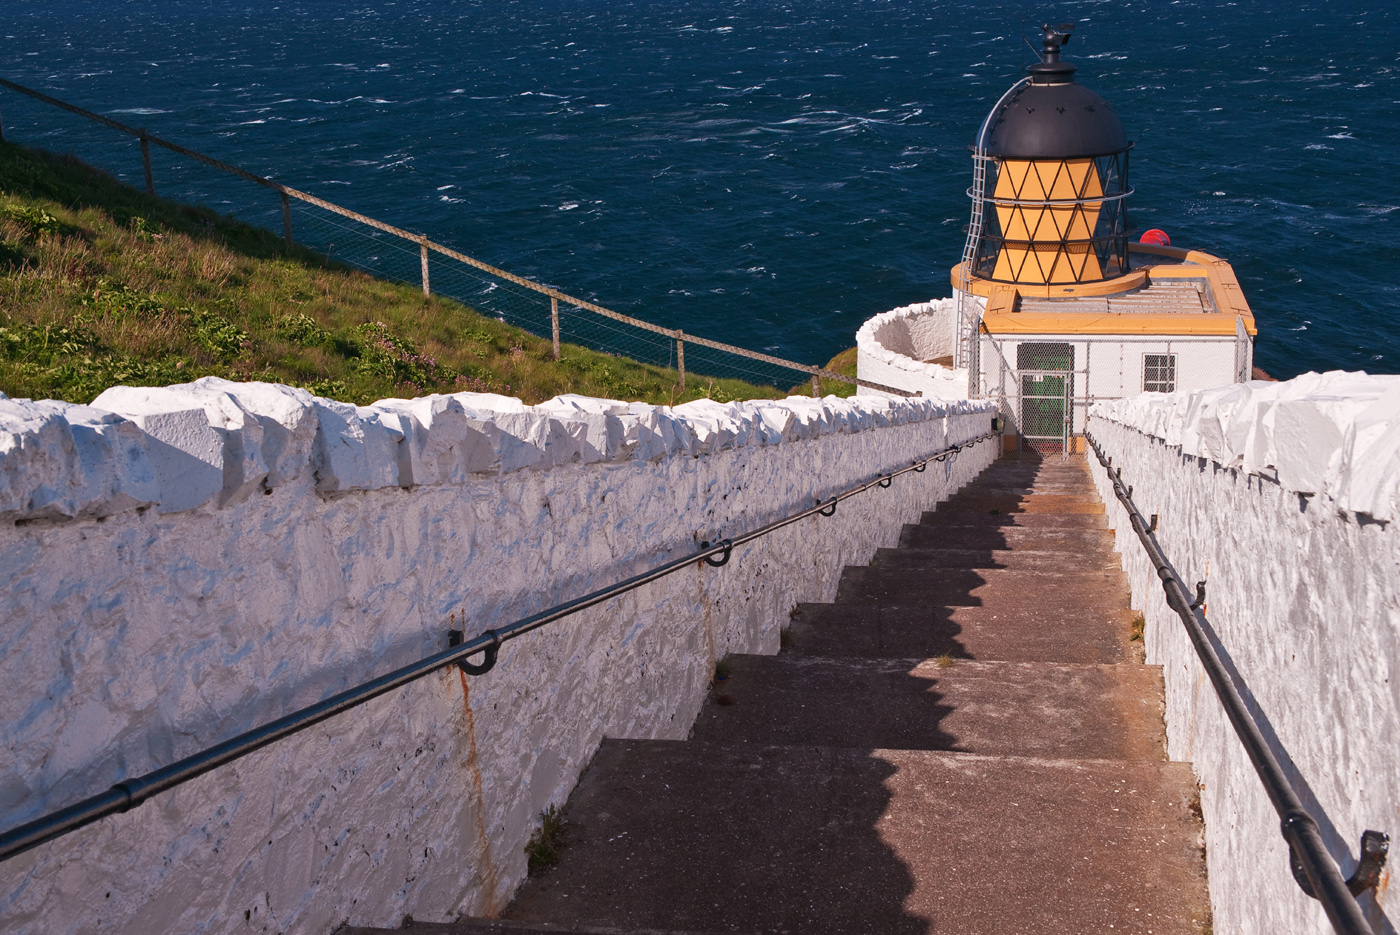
<point x="1375" y="847"/>
<point x="488" y="657"/>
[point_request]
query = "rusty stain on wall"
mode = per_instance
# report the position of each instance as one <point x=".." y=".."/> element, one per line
<point x="493" y="905"/>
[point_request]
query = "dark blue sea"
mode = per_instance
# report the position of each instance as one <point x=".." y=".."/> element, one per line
<point x="766" y="173"/>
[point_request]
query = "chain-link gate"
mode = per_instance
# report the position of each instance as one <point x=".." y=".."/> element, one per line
<point x="1046" y="372"/>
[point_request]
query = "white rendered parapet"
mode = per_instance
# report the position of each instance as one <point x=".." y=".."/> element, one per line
<point x="1335" y="433"/>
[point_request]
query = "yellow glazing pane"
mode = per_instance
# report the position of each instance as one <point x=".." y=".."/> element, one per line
<point x="1003" y="267"/>
<point x="1090" y="268"/>
<point x="1011" y="177"/>
<point x="1022" y="261"/>
<point x="1048" y="228"/>
<point x="1014" y="223"/>
<point x="1062" y="219"/>
<point x="1077" y="263"/>
<point x="1032" y="189"/>
<point x="1076" y="225"/>
<point x="1086" y="178"/>
<point x="1005" y="219"/>
<point x="1045" y="227"/>
<point x="1069" y="179"/>
<point x="1047" y="174"/>
<point x="1019" y="264"/>
<point x="1091" y="184"/>
<point x="1045" y="255"/>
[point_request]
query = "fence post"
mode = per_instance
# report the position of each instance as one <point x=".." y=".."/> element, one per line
<point x="2" y="128"/>
<point x="680" y="356"/>
<point x="423" y="256"/>
<point x="554" y="323"/>
<point x="146" y="162"/>
<point x="816" y="387"/>
<point x="286" y="219"/>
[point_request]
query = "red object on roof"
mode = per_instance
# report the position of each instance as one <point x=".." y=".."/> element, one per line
<point x="1157" y="237"/>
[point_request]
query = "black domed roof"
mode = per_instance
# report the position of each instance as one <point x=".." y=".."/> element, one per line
<point x="1052" y="117"/>
<point x="1055" y="121"/>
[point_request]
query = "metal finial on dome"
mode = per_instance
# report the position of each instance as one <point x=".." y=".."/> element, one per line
<point x="1050" y="68"/>
<point x="1052" y="117"/>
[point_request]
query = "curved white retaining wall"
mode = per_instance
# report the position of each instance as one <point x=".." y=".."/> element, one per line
<point x="891" y="349"/>
<point x="224" y="553"/>
<point x="1283" y="498"/>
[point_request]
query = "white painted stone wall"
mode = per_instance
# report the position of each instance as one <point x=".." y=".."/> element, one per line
<point x="185" y="563"/>
<point x="1283" y="497"/>
<point x="892" y="348"/>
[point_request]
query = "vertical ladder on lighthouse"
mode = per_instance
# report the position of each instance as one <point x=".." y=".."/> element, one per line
<point x="969" y="312"/>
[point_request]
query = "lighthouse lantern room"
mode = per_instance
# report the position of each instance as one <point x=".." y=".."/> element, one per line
<point x="1056" y="160"/>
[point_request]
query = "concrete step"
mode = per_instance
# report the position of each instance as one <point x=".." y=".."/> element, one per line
<point x="1069" y="540"/>
<point x="1010" y="486"/>
<point x="1045" y="470"/>
<point x="980" y="519"/>
<point x="1066" y="592"/>
<point x="1015" y="708"/>
<point x="1066" y="486"/>
<point x="1027" y="633"/>
<point x="1061" y="504"/>
<point x="1018" y="491"/>
<point x="741" y="838"/>
<point x="922" y="560"/>
<point x="512" y="927"/>
<point x="1074" y="482"/>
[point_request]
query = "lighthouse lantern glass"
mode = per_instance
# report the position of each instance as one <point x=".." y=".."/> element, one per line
<point x="1055" y="220"/>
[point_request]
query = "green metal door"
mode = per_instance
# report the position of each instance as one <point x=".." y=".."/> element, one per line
<point x="1047" y="386"/>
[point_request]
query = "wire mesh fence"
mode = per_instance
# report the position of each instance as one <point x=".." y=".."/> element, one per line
<point x="398" y="255"/>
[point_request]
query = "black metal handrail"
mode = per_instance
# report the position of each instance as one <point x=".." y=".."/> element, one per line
<point x="1316" y="872"/>
<point x="129" y="793"/>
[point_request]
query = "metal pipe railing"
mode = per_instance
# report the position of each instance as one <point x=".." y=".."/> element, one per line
<point x="132" y="792"/>
<point x="1308" y="853"/>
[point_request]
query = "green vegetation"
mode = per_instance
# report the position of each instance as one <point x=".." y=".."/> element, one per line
<point x="102" y="285"/>
<point x="843" y="363"/>
<point x="543" y="847"/>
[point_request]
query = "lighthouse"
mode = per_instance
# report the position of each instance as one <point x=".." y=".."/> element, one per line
<point x="1057" y="303"/>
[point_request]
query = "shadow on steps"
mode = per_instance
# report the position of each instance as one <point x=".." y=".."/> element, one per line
<point x="958" y="744"/>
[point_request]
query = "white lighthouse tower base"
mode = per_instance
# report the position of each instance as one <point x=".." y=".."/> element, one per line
<point x="911" y="348"/>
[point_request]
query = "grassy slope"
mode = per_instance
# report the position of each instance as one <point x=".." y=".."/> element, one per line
<point x="843" y="363"/>
<point x="103" y="285"/>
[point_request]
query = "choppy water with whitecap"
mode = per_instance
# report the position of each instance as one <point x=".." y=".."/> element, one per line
<point x="767" y="173"/>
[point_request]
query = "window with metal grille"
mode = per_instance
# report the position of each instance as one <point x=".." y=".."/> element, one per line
<point x="1158" y="373"/>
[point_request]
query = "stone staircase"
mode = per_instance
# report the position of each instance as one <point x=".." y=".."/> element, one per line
<point x="964" y="742"/>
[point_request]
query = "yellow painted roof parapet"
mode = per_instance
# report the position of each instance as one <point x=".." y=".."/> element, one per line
<point x="1207" y="325"/>
<point x="1001" y="316"/>
<point x="985" y="287"/>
